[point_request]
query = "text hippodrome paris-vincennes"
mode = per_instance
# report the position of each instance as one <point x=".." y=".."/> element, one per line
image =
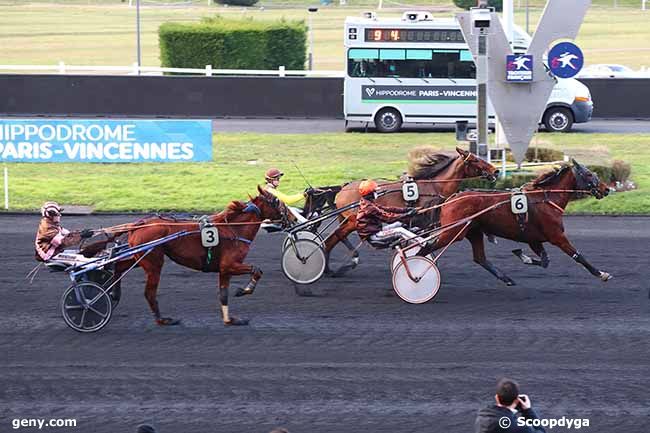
<point x="84" y="142"/>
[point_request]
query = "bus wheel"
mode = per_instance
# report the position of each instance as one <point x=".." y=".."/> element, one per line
<point x="558" y="119"/>
<point x="388" y="120"/>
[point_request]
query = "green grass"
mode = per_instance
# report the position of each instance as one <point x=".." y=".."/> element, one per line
<point x="334" y="158"/>
<point x="102" y="32"/>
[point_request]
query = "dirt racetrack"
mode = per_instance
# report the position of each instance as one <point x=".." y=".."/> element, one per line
<point x="353" y="360"/>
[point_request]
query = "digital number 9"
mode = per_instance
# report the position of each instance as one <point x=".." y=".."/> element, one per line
<point x="377" y="36"/>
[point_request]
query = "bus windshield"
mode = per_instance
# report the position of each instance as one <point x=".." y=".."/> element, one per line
<point x="410" y="63"/>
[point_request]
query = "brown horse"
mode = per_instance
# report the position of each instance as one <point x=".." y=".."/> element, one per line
<point x="438" y="176"/>
<point x="238" y="225"/>
<point x="547" y="197"/>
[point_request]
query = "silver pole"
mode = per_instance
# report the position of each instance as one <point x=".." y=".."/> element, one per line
<point x="310" y="60"/>
<point x="6" y="188"/>
<point x="481" y="93"/>
<point x="137" y="25"/>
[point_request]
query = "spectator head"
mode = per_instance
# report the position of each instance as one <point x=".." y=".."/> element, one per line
<point x="507" y="393"/>
<point x="145" y="428"/>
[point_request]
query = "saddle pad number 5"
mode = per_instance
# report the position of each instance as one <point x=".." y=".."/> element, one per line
<point x="209" y="237"/>
<point x="519" y="203"/>
<point x="410" y="191"/>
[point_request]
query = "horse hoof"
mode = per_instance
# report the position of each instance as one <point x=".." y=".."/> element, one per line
<point x="235" y="321"/>
<point x="243" y="292"/>
<point x="510" y="282"/>
<point x="604" y="276"/>
<point x="167" y="321"/>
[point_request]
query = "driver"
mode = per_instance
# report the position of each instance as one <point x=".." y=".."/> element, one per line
<point x="381" y="224"/>
<point x="51" y="237"/>
<point x="272" y="178"/>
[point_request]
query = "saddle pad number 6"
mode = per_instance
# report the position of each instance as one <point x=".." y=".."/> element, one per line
<point x="410" y="191"/>
<point x="519" y="203"/>
<point x="209" y="237"/>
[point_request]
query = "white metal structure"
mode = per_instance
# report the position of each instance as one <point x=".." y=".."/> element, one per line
<point x="417" y="69"/>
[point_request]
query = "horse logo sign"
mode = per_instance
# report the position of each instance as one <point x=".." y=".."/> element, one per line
<point x="565" y="60"/>
<point x="519" y="68"/>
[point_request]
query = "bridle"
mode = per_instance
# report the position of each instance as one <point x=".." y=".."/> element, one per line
<point x="580" y="173"/>
<point x="484" y="173"/>
<point x="277" y="204"/>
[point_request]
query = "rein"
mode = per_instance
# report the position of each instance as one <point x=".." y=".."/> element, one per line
<point x="460" y="179"/>
<point x="545" y="191"/>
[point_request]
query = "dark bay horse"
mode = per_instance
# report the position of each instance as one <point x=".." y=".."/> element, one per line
<point x="438" y="176"/>
<point x="238" y="225"/>
<point x="547" y="197"/>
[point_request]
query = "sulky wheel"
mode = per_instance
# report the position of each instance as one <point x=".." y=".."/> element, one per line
<point x="396" y="260"/>
<point x="421" y="285"/>
<point x="303" y="261"/>
<point x="86" y="307"/>
<point x="302" y="234"/>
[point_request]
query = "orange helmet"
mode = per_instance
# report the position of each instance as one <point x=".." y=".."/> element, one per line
<point x="273" y="173"/>
<point x="367" y="187"/>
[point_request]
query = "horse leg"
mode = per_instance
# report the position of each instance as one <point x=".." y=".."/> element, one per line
<point x="478" y="249"/>
<point x="341" y="235"/>
<point x="538" y="249"/>
<point x="561" y="241"/>
<point x="256" y="275"/>
<point x="152" y="266"/>
<point x="224" y="284"/>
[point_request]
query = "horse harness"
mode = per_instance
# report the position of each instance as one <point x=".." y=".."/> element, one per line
<point x="204" y="223"/>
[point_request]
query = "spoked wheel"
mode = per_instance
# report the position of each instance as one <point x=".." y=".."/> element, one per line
<point x="303" y="234"/>
<point x="303" y="261"/>
<point x="106" y="279"/>
<point x="421" y="285"/>
<point x="86" y="307"/>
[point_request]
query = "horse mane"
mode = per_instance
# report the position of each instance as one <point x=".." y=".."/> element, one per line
<point x="233" y="208"/>
<point x="424" y="162"/>
<point x="551" y="176"/>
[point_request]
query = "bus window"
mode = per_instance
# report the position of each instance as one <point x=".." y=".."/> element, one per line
<point x="411" y="63"/>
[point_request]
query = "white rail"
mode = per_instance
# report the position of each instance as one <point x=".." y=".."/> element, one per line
<point x="62" y="68"/>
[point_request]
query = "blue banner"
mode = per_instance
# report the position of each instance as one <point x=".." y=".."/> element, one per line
<point x="104" y="140"/>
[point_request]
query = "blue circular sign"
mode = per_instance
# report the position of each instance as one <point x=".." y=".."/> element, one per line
<point x="565" y="60"/>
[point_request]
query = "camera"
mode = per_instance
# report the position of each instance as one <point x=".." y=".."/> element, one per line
<point x="481" y="17"/>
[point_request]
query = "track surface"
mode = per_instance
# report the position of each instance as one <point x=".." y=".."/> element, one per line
<point x="354" y="360"/>
<point x="311" y="126"/>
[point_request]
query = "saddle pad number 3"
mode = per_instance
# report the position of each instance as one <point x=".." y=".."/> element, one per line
<point x="209" y="237"/>
<point x="519" y="203"/>
<point x="410" y="191"/>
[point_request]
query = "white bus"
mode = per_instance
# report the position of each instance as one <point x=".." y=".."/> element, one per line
<point x="420" y="70"/>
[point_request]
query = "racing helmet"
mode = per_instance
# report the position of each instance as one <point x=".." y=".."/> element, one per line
<point x="50" y="209"/>
<point x="367" y="187"/>
<point x="273" y="174"/>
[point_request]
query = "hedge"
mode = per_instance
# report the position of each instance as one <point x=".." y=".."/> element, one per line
<point x="233" y="44"/>
<point x="466" y="4"/>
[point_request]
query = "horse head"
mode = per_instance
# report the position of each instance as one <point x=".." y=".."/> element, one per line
<point x="474" y="166"/>
<point x="271" y="207"/>
<point x="588" y="180"/>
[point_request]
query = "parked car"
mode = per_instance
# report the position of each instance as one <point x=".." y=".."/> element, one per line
<point x="608" y="71"/>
